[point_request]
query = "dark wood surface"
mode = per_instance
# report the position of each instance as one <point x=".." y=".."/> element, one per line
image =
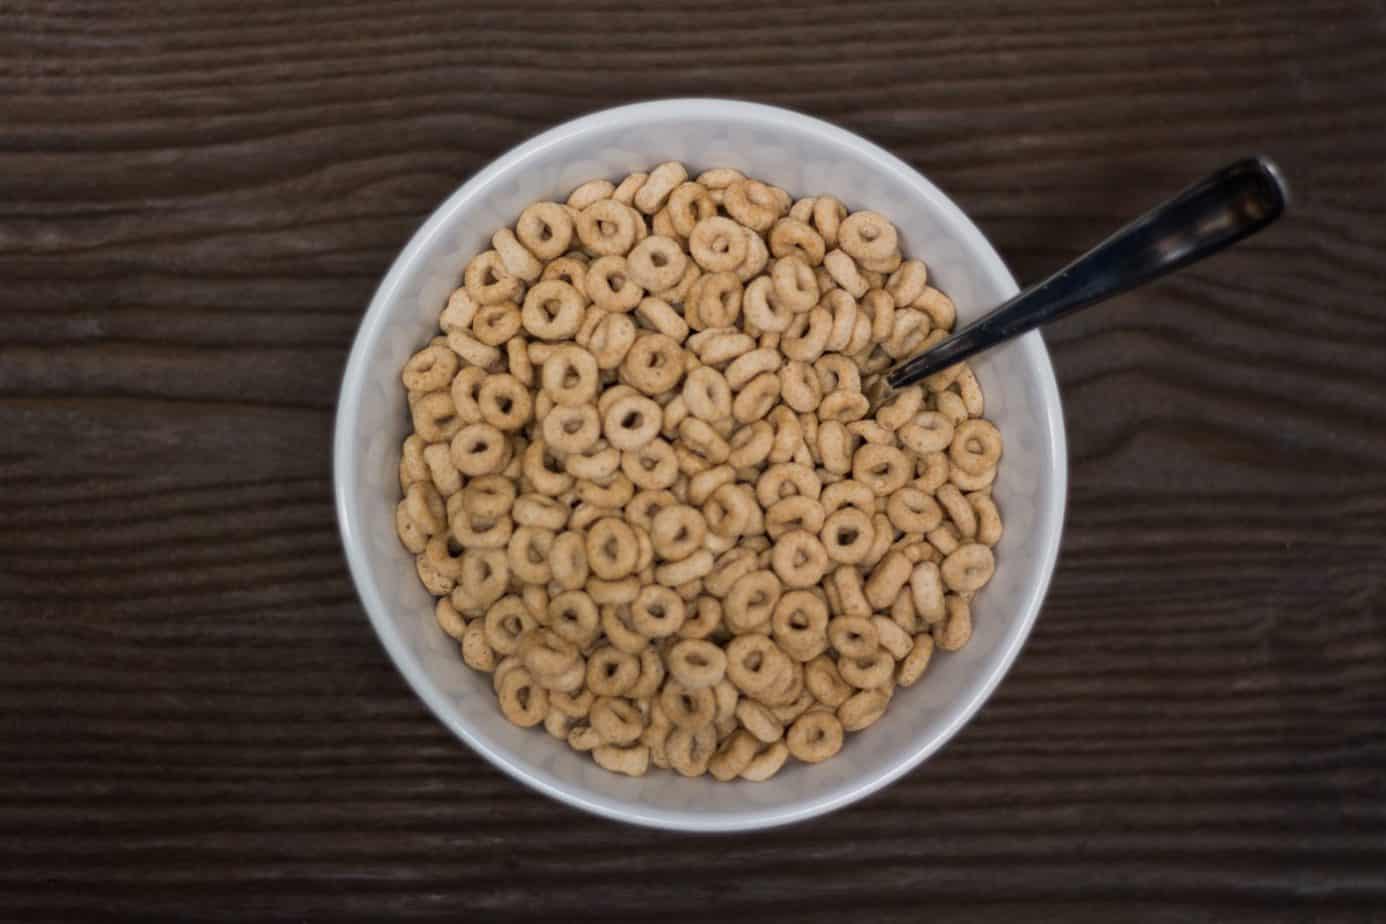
<point x="196" y="721"/>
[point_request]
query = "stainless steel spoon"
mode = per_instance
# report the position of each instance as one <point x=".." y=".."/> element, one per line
<point x="1233" y="203"/>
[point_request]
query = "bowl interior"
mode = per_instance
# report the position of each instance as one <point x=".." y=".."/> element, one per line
<point x="804" y="156"/>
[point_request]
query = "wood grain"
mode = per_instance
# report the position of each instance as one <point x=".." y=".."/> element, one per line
<point x="196" y="722"/>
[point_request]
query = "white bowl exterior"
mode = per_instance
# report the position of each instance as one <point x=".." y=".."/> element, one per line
<point x="804" y="156"/>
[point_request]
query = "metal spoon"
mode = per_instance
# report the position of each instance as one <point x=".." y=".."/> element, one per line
<point x="1233" y="203"/>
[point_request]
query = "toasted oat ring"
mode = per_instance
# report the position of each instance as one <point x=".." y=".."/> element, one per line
<point x="505" y="402"/>
<point x="762" y="311"/>
<point x="968" y="567"/>
<point x="787" y="479"/>
<point x="828" y="213"/>
<point x="611" y="338"/>
<point x="435" y="417"/>
<point x="704" y="618"/>
<point x="878" y="307"/>
<point x="756" y="398"/>
<point x="533" y="509"/>
<point x="751" y="601"/>
<point x="845" y="593"/>
<point x="612" y="549"/>
<point x="750" y="444"/>
<point x="753" y="204"/>
<point x="734" y="756"/>
<point x="441" y="555"/>
<point x="867" y="236"/>
<point x="651" y="467"/>
<point x="800" y="387"/>
<point x="835" y="447"/>
<point x="689" y="750"/>
<point x="430" y="369"/>
<point x="717" y="244"/>
<point x="989" y="527"/>
<point x="424" y="508"/>
<point x="522" y="700"/>
<point x="926" y="432"/>
<point x="863" y="709"/>
<point x="959" y="511"/>
<point x="848" y="535"/>
<point x="696" y="664"/>
<point x="617" y="720"/>
<point x="913" y="665"/>
<point x="625" y="190"/>
<point x="545" y="229"/>
<point x="800" y="624"/>
<point x="793" y="237"/>
<point x="755" y="664"/>
<point x="631" y="422"/>
<point x="847" y="493"/>
<point x="794" y="512"/>
<point x="611" y="671"/>
<point x="643" y="508"/>
<point x="662" y="181"/>
<point x="976" y="446"/>
<point x="728" y="511"/>
<point x="707" y="394"/>
<point x="807" y="335"/>
<point x="872" y="672"/>
<point x="607" y="227"/>
<point x="912" y="510"/>
<point x="484" y="578"/>
<point x="573" y="616"/>
<point x="552" y="310"/>
<point x="678" y="573"/>
<point x="569" y="376"/>
<point x="615" y="621"/>
<point x="515" y="257"/>
<point x="506" y="620"/>
<point x="659" y="314"/>
<point x="799" y="559"/>
<point x="907" y="283"/>
<point x="546" y="655"/>
<point x="658" y="612"/>
<point x="699" y="437"/>
<point x="528" y="554"/>
<point x="883" y="469"/>
<point x="938" y="307"/>
<point x="677" y="532"/>
<point x="656" y="263"/>
<point x="654" y="364"/>
<point x="568" y="269"/>
<point x="687" y="708"/>
<point x="794" y="284"/>
<point x="853" y="636"/>
<point x="488" y="281"/>
<point x="825" y="683"/>
<point x="844" y="271"/>
<point x="689" y="204"/>
<point x="592" y="464"/>
<point x="814" y="737"/>
<point x="479" y="449"/>
<point x="714" y="301"/>
<point x="569" y="560"/>
<point x="610" y="286"/>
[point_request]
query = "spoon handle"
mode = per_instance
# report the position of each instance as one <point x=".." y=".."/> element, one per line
<point x="1234" y="202"/>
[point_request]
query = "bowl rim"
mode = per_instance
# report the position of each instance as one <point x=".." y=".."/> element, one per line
<point x="345" y="463"/>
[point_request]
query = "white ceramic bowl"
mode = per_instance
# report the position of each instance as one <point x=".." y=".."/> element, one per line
<point x="805" y="156"/>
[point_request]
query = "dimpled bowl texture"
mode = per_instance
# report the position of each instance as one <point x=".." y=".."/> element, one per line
<point x="804" y="156"/>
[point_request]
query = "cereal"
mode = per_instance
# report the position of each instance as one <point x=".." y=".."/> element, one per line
<point x="648" y="488"/>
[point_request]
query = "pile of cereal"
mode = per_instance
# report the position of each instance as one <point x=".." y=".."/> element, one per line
<point x="648" y="490"/>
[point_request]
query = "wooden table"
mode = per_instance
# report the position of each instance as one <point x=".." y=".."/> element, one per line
<point x="196" y="720"/>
